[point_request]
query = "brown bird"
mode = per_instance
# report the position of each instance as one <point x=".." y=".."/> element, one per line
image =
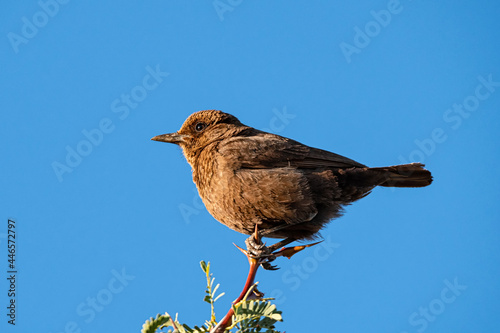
<point x="248" y="177"/>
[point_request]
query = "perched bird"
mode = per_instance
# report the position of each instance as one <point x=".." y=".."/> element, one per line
<point x="248" y="177"/>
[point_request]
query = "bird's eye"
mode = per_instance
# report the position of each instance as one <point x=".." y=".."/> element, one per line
<point x="200" y="127"/>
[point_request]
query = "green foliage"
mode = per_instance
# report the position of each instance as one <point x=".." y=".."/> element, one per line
<point x="210" y="293"/>
<point x="166" y="321"/>
<point x="151" y="325"/>
<point x="249" y="315"/>
<point x="254" y="316"/>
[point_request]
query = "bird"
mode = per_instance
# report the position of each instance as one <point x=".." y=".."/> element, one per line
<point x="249" y="178"/>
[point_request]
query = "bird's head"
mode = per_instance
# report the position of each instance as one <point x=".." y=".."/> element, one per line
<point x="200" y="129"/>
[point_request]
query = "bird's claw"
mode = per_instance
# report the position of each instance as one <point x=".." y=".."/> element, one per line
<point x="258" y="250"/>
<point x="267" y="266"/>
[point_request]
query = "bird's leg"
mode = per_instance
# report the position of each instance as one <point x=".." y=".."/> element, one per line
<point x="258" y="250"/>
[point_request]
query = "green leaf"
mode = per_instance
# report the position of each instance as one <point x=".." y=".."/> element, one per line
<point x="204" y="266"/>
<point x="254" y="315"/>
<point x="151" y="325"/>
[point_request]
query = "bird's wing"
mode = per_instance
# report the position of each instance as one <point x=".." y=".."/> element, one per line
<point x="264" y="150"/>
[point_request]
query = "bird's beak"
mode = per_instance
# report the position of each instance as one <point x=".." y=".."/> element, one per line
<point x="171" y="137"/>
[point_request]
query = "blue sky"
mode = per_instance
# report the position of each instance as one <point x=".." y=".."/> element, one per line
<point x="110" y="229"/>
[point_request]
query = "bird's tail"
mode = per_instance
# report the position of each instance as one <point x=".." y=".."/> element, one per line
<point x="405" y="175"/>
